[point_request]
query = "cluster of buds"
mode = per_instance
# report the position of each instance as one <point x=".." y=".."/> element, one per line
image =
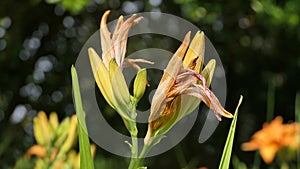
<point x="54" y="142"/>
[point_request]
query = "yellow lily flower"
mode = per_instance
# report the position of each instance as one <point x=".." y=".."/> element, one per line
<point x="54" y="142"/>
<point x="108" y="69"/>
<point x="182" y="87"/>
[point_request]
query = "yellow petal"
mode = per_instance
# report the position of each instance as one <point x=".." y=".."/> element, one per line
<point x="101" y="76"/>
<point x="43" y="120"/>
<point x="53" y="120"/>
<point x="140" y="83"/>
<point x="38" y="132"/>
<point x="71" y="136"/>
<point x="195" y="51"/>
<point x="208" y="71"/>
<point x="61" y="132"/>
<point x="121" y="94"/>
<point x="190" y="104"/>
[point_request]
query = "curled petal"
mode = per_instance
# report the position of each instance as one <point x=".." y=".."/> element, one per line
<point x="205" y="95"/>
<point x="119" y="40"/>
<point x="37" y="150"/>
<point x="117" y="28"/>
<point x="105" y="40"/>
<point x="132" y="62"/>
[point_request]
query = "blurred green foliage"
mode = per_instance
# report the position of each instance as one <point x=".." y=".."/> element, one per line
<point x="258" y="43"/>
<point x="73" y="6"/>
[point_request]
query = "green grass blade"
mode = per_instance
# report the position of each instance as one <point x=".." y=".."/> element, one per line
<point x="225" y="160"/>
<point x="297" y="120"/>
<point x="86" y="160"/>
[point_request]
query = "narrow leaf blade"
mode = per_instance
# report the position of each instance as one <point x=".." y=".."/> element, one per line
<point x="225" y="160"/>
<point x="86" y="160"/>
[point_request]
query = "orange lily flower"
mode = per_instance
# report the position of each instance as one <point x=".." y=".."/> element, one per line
<point x="272" y="138"/>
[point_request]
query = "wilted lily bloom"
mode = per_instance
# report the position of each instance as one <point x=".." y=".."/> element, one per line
<point x="183" y="85"/>
<point x="107" y="70"/>
<point x="273" y="137"/>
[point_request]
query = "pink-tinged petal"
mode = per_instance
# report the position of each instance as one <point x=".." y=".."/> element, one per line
<point x="105" y="40"/>
<point x="205" y="95"/>
<point x="168" y="79"/>
<point x="132" y="62"/>
<point x="178" y="88"/>
<point x="120" y="38"/>
<point x="117" y="28"/>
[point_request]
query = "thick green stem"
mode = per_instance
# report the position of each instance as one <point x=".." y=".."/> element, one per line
<point x="134" y="141"/>
<point x="138" y="162"/>
<point x="134" y="151"/>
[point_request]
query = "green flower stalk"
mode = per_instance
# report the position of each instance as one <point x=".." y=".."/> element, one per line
<point x="108" y="75"/>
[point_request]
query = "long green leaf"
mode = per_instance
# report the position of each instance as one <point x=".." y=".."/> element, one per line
<point x="225" y="160"/>
<point x="86" y="160"/>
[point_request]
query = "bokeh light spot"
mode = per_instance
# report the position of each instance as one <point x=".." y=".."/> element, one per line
<point x="24" y="54"/>
<point x="44" y="64"/>
<point x="68" y="22"/>
<point x="129" y="7"/>
<point x="244" y="23"/>
<point x="217" y="25"/>
<point x="155" y="2"/>
<point x="2" y="32"/>
<point x="6" y="22"/>
<point x="57" y="96"/>
<point x="18" y="114"/>
<point x="257" y="6"/>
<point x="59" y="10"/>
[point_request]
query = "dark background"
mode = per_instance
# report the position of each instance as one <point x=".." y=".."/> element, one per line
<point x="258" y="43"/>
